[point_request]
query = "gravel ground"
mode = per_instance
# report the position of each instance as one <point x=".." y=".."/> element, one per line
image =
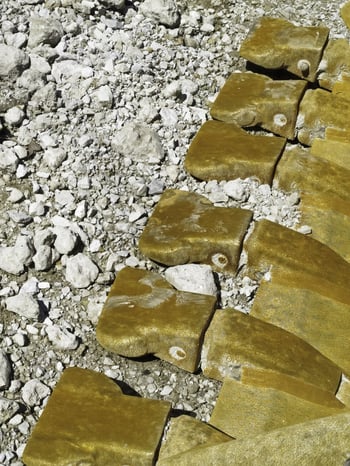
<point x="76" y="189"/>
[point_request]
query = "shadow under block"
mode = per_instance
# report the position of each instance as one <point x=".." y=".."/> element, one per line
<point x="250" y="99"/>
<point x="320" y="109"/>
<point x="186" y="433"/>
<point x="243" y="411"/>
<point x="307" y="291"/>
<point x="325" y="195"/>
<point x="335" y="63"/>
<point x="223" y="151"/>
<point x="235" y="340"/>
<point x="88" y="420"/>
<point x="335" y="147"/>
<point x="144" y="314"/>
<point x="186" y="228"/>
<point x="321" y="442"/>
<point x="275" y="43"/>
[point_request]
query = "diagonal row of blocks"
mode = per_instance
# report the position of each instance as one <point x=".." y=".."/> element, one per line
<point x="282" y="365"/>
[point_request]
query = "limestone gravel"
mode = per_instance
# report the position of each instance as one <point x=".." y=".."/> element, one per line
<point x="99" y="101"/>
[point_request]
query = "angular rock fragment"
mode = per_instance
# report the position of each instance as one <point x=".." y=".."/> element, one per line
<point x="223" y="151"/>
<point x="144" y="314"/>
<point x="250" y="99"/>
<point x="186" y="227"/>
<point x="275" y="43"/>
<point x="335" y="63"/>
<point x="325" y="195"/>
<point x="323" y="441"/>
<point x="320" y="109"/>
<point x="44" y="31"/>
<point x="12" y="62"/>
<point x="186" y="433"/>
<point x="308" y="290"/>
<point x="88" y="420"/>
<point x="235" y="340"/>
<point x="335" y="147"/>
<point x="162" y="11"/>
<point x="243" y="411"/>
<point x="195" y="278"/>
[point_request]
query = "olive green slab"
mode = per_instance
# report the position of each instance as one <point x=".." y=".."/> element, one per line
<point x="223" y="151"/>
<point x="345" y="13"/>
<point x="335" y="63"/>
<point x="291" y="385"/>
<point x="246" y="410"/>
<point x="335" y="147"/>
<point x="341" y="87"/>
<point x="275" y="43"/>
<point x="185" y="228"/>
<point x="185" y="433"/>
<point x="325" y="195"/>
<point x="235" y="340"/>
<point x="88" y="421"/>
<point x="308" y="290"/>
<point x="320" y="109"/>
<point x="144" y="314"/>
<point x="250" y="99"/>
<point x="321" y="442"/>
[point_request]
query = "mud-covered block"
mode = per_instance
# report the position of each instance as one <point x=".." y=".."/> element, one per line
<point x="305" y="290"/>
<point x="144" y="314"/>
<point x="324" y="441"/>
<point x="335" y="147"/>
<point x="345" y="13"/>
<point x="320" y="109"/>
<point x="88" y="420"/>
<point x="223" y="151"/>
<point x="185" y="228"/>
<point x="185" y="433"/>
<point x="335" y="63"/>
<point x="325" y="195"/>
<point x="275" y="43"/>
<point x="243" y="410"/>
<point x="235" y="340"/>
<point x="250" y="99"/>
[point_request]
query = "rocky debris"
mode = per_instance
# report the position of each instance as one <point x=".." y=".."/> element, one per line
<point x="14" y="259"/>
<point x="44" y="31"/>
<point x="62" y="338"/>
<point x="34" y="392"/>
<point x="81" y="271"/>
<point x="5" y="370"/>
<point x="12" y="62"/>
<point x="24" y="304"/>
<point x="163" y="11"/>
<point x="194" y="278"/>
<point x="8" y="408"/>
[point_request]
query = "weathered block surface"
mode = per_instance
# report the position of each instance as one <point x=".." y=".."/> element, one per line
<point x="250" y="99"/>
<point x="186" y="227"/>
<point x="308" y="290"/>
<point x="335" y="147"/>
<point x="186" y="433"/>
<point x="88" y="420"/>
<point x="335" y="63"/>
<point x="144" y="314"/>
<point x="325" y="195"/>
<point x="320" y="109"/>
<point x="235" y="340"/>
<point x="345" y="13"/>
<point x="224" y="151"/>
<point x="275" y="43"/>
<point x="324" y="442"/>
<point x="245" y="410"/>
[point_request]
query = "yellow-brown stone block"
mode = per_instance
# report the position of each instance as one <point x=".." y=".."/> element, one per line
<point x="275" y="43"/>
<point x="335" y="147"/>
<point x="250" y="99"/>
<point x="335" y="63"/>
<point x="88" y="421"/>
<point x="306" y="290"/>
<point x="321" y="442"/>
<point x="186" y="227"/>
<point x="320" y="109"/>
<point x="223" y="151"/>
<point x="186" y="433"/>
<point x="345" y="13"/>
<point x="144" y="314"/>
<point x="325" y="195"/>
<point x="235" y="340"/>
<point x="246" y="410"/>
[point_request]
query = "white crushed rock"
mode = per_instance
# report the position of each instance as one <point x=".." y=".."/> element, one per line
<point x="195" y="278"/>
<point x="24" y="304"/>
<point x="5" y="370"/>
